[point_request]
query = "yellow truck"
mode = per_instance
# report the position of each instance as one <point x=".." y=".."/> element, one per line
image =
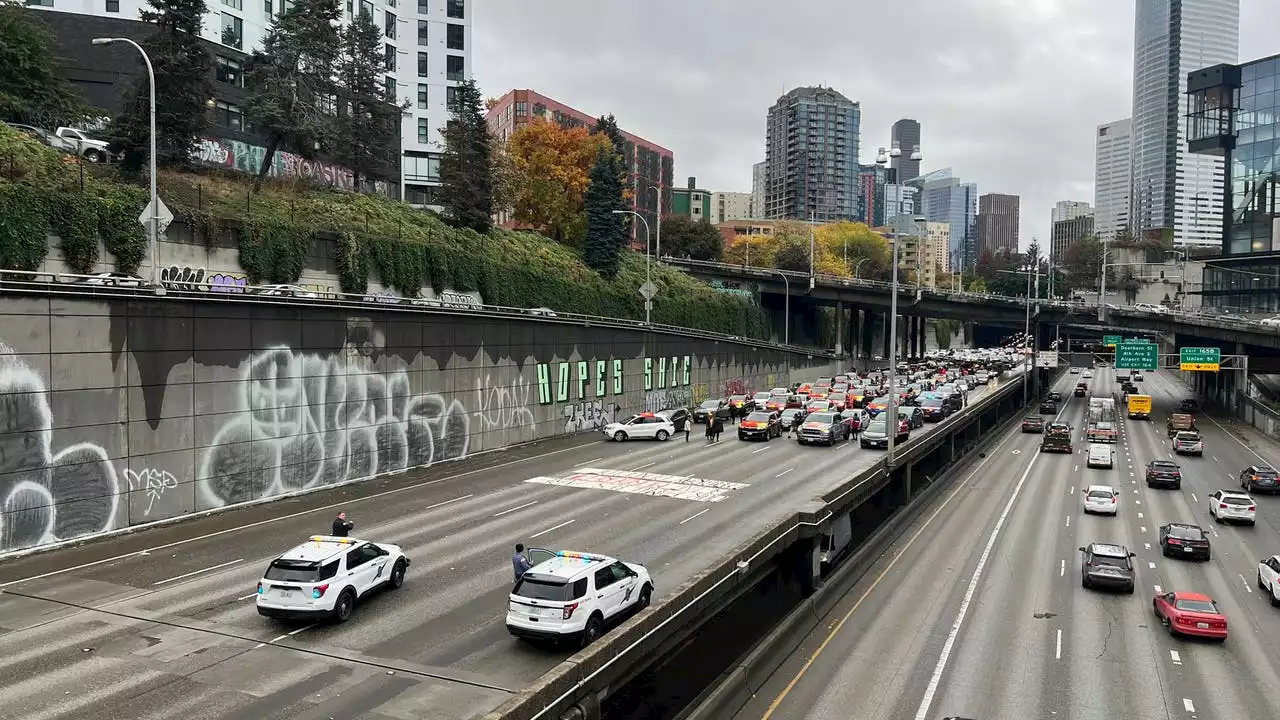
<point x="1139" y="407"/>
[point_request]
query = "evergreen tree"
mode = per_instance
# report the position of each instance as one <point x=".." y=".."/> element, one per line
<point x="183" y="88"/>
<point x="466" y="174"/>
<point x="606" y="233"/>
<point x="31" y="88"/>
<point x="607" y="126"/>
<point x="293" y="95"/>
<point x="369" y="121"/>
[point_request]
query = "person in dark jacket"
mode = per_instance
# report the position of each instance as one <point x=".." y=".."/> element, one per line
<point x="341" y="525"/>
<point x="519" y="563"/>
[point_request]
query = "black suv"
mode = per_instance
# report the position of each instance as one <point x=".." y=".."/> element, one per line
<point x="1106" y="565"/>
<point x="1163" y="473"/>
<point x="1048" y="407"/>
<point x="1184" y="540"/>
<point x="1259" y="478"/>
<point x="1033" y="424"/>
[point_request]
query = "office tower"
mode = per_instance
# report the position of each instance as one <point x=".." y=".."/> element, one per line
<point x="1070" y="209"/>
<point x="906" y="135"/>
<point x="873" y="203"/>
<point x="811" y="153"/>
<point x="1173" y="189"/>
<point x="1111" y="178"/>
<point x="998" y="219"/>
<point x="759" y="184"/>
<point x="730" y="206"/>
<point x="946" y="199"/>
<point x="1066" y="233"/>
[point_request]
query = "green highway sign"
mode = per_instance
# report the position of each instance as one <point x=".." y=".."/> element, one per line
<point x="1199" y="358"/>
<point x="1136" y="340"/>
<point x="1137" y="356"/>
<point x="1111" y="340"/>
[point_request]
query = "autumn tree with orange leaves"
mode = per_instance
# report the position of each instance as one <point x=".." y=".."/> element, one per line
<point x="552" y="169"/>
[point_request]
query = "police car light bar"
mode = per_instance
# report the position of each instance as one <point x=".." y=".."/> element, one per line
<point x="581" y="556"/>
<point x="331" y="538"/>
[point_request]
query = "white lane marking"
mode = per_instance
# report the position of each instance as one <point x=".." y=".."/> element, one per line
<point x="1135" y="491"/>
<point x="927" y="701"/>
<point x="1130" y="473"/>
<point x="278" y="638"/>
<point x="1138" y="501"/>
<point x="197" y="572"/>
<point x="646" y="465"/>
<point x="784" y="472"/>
<point x="1247" y="586"/>
<point x="695" y="515"/>
<point x="766" y="447"/>
<point x="246" y="597"/>
<point x="1157" y="589"/>
<point x="1177" y="658"/>
<point x="1188" y="705"/>
<point x="1142" y="529"/>
<point x="1238" y="441"/>
<point x="1068" y="521"/>
<point x="1075" y="469"/>
<point x="588" y="463"/>
<point x="1147" y="545"/>
<point x="1062" y="568"/>
<point x="1057" y="651"/>
<point x="557" y="527"/>
<point x="1151" y="565"/>
<point x="1139" y="516"/>
<point x="1194" y="498"/>
<point x="518" y="507"/>
<point x="1215" y="459"/>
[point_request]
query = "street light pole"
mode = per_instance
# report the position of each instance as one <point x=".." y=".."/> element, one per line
<point x="891" y="412"/>
<point x="786" y="308"/>
<point x="657" y="241"/>
<point x="155" y="198"/>
<point x="648" y="257"/>
<point x="858" y="266"/>
<point x="1102" y="293"/>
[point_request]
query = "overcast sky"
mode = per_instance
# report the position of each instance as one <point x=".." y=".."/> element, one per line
<point x="1008" y="92"/>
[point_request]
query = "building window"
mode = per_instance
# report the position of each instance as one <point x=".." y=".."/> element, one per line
<point x="424" y="130"/>
<point x="366" y="7"/>
<point x="522" y="109"/>
<point x="422" y="32"/>
<point x="422" y="97"/>
<point x="350" y="12"/>
<point x="232" y="31"/>
<point x="237" y="4"/>
<point x="450" y="98"/>
<point x="112" y="6"/>
<point x="40" y="3"/>
<point x="390" y="52"/>
<point x="422" y="7"/>
<point x="455" y="68"/>
<point x="228" y="116"/>
<point x="422" y="194"/>
<point x="422" y="64"/>
<point x="455" y="37"/>
<point x="389" y="83"/>
<point x="456" y="9"/>
<point x="420" y="167"/>
<point x="390" y="28"/>
<point x="229" y="71"/>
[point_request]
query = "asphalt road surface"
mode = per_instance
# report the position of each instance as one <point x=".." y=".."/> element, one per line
<point x="977" y="611"/>
<point x="162" y="623"/>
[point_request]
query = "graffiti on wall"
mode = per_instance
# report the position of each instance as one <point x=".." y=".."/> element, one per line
<point x="46" y="496"/>
<point x="735" y="386"/>
<point x="666" y="399"/>
<point x="152" y="483"/>
<point x="498" y="406"/>
<point x="246" y="158"/>
<point x="307" y="421"/>
<point x="698" y="394"/>
<point x="579" y="380"/>
<point x="187" y="277"/>
<point x="670" y="372"/>
<point x="589" y="415"/>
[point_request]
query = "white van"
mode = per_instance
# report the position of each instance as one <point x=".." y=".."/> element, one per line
<point x="1100" y="456"/>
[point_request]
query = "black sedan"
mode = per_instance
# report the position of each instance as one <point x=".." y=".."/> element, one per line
<point x="711" y="408"/>
<point x="1048" y="407"/>
<point x="1055" y="396"/>
<point x="760" y="425"/>
<point x="1033" y="424"/>
<point x="1183" y="540"/>
<point x="934" y="407"/>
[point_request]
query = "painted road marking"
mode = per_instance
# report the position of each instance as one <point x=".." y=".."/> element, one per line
<point x="246" y="597"/>
<point x="784" y="472"/>
<point x="1143" y="528"/>
<point x="557" y="527"/>
<point x="1247" y="586"/>
<point x="1062" y="568"/>
<point x="1157" y="589"/>
<point x="197" y="572"/>
<point x="695" y="515"/>
<point x="1194" y="498"/>
<point x="281" y="637"/>
<point x="1068" y="521"/>
<point x="646" y="465"/>
<point x="1147" y="545"/>
<point x="588" y="462"/>
<point x="1177" y="659"/>
<point x="1188" y="705"/>
<point x="518" y="507"/>
<point x="1075" y="469"/>
<point x="1057" y="652"/>
<point x="1139" y="516"/>
<point x="753" y="452"/>
<point x="1151" y="565"/>
<point x="642" y="483"/>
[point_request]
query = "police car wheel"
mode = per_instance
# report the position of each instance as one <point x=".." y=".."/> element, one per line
<point x="397" y="575"/>
<point x="662" y="435"/>
<point x="619" y="436"/>
<point x="593" y="630"/>
<point x="342" y="609"/>
<point x="646" y="593"/>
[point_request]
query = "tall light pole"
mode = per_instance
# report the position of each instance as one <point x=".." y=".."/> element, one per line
<point x="1027" y="358"/>
<point x="155" y="198"/>
<point x="657" y="241"/>
<point x="648" y="257"/>
<point x="786" y="307"/>
<point x="858" y="266"/>
<point x="1102" y="292"/>
<point x="891" y="412"/>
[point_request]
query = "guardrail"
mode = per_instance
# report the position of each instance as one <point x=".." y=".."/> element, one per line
<point x="106" y="287"/>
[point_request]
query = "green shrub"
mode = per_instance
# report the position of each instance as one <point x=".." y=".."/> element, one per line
<point x="74" y="219"/>
<point x="24" y="227"/>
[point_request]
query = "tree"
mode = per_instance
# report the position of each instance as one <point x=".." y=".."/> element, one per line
<point x="466" y="174"/>
<point x="1082" y="264"/>
<point x="606" y="233"/>
<point x="793" y="257"/>
<point x="682" y="236"/>
<point x="1131" y="287"/>
<point x="31" y="88"/>
<point x="607" y="126"/>
<point x="978" y="285"/>
<point x="293" y="94"/>
<point x="855" y="240"/>
<point x="368" y="122"/>
<point x="182" y="67"/>
<point x="552" y="169"/>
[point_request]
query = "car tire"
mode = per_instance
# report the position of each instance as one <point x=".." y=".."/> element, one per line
<point x="619" y="436"/>
<point x="646" y="595"/>
<point x="593" y="630"/>
<point x="1129" y="589"/>
<point x="1275" y="598"/>
<point x="344" y="606"/>
<point x="1084" y="582"/>
<point x="396" y="581"/>
<point x="1177" y="486"/>
<point x="1262" y="584"/>
<point x="94" y="155"/>
<point x="662" y="435"/>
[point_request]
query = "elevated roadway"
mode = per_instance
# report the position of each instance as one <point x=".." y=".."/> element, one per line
<point x="162" y="624"/>
<point x="977" y="610"/>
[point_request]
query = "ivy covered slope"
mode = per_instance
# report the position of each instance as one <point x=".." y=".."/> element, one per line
<point x="41" y="193"/>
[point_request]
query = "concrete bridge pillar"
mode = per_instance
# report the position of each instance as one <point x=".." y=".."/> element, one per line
<point x="840" y="327"/>
<point x="884" y="318"/>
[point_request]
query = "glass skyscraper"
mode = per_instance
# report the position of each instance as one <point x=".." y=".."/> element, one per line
<point x="945" y="199"/>
<point x="811" y="156"/>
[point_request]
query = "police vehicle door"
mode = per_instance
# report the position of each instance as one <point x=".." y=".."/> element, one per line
<point x="365" y="567"/>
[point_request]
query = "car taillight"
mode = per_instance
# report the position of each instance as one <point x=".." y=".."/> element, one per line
<point x="1174" y="541"/>
<point x="568" y="610"/>
<point x="318" y="591"/>
<point x="261" y="590"/>
<point x="1253" y="508"/>
<point x="1222" y="506"/>
<point x="1113" y="501"/>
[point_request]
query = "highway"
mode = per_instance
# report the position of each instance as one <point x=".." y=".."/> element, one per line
<point x="162" y="623"/>
<point x="977" y="610"/>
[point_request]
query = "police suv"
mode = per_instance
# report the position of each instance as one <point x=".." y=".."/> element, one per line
<point x="572" y="595"/>
<point x="324" y="577"/>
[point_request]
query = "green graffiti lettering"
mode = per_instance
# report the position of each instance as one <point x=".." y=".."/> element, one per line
<point x="675" y="379"/>
<point x="662" y="372"/>
<point x="600" y="370"/>
<point x="583" y="378"/>
<point x="688" y="361"/>
<point x="544" y="384"/>
<point x="562" y="387"/>
<point x="648" y="374"/>
<point x="617" y="377"/>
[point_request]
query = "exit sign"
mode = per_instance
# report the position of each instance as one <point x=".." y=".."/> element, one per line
<point x="1200" y="358"/>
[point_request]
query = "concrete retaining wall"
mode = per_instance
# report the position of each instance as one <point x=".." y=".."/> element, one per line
<point x="120" y="412"/>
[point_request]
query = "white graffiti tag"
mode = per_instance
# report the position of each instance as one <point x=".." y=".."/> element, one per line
<point x="498" y="407"/>
<point x="152" y="482"/>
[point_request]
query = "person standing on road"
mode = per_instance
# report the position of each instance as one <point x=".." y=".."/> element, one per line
<point x="341" y="525"/>
<point x="688" y="428"/>
<point x="519" y="563"/>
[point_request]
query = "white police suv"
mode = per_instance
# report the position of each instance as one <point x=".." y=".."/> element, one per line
<point x="573" y="595"/>
<point x="654" y="426"/>
<point x="324" y="577"/>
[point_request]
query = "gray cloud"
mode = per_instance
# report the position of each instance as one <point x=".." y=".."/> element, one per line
<point x="1008" y="92"/>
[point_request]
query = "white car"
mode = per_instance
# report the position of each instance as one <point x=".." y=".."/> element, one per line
<point x="1101" y="499"/>
<point x="649" y="426"/>
<point x="284" y="291"/>
<point x="574" y="595"/>
<point x="1100" y="456"/>
<point x="1271" y="321"/>
<point x="1269" y="578"/>
<point x="1087" y="374"/>
<point x="326" y="576"/>
<point x="1232" y="506"/>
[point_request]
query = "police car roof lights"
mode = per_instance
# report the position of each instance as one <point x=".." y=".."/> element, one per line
<point x="333" y="539"/>
<point x="591" y="557"/>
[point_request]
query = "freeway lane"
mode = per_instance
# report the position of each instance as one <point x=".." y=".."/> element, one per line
<point x="1021" y="638"/>
<point x="173" y="631"/>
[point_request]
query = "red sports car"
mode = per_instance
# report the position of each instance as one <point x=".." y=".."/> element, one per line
<point x="1188" y="613"/>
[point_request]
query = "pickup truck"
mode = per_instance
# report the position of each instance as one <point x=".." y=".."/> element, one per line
<point x="1180" y="422"/>
<point x="79" y="143"/>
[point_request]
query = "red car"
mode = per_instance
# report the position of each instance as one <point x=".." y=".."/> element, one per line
<point x="1188" y="613"/>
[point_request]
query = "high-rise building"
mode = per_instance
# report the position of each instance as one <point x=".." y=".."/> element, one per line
<point x="730" y="206"/>
<point x="901" y="199"/>
<point x="873" y="206"/>
<point x="925" y="247"/>
<point x="691" y="202"/>
<point x="1070" y="209"/>
<point x="1066" y="233"/>
<point x="998" y="220"/>
<point x="906" y="135"/>
<point x="811" y="152"/>
<point x="1111" y="177"/>
<point x="650" y="165"/>
<point x="944" y="198"/>
<point x="759" y="185"/>
<point x="937" y="244"/>
<point x="1173" y="189"/>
